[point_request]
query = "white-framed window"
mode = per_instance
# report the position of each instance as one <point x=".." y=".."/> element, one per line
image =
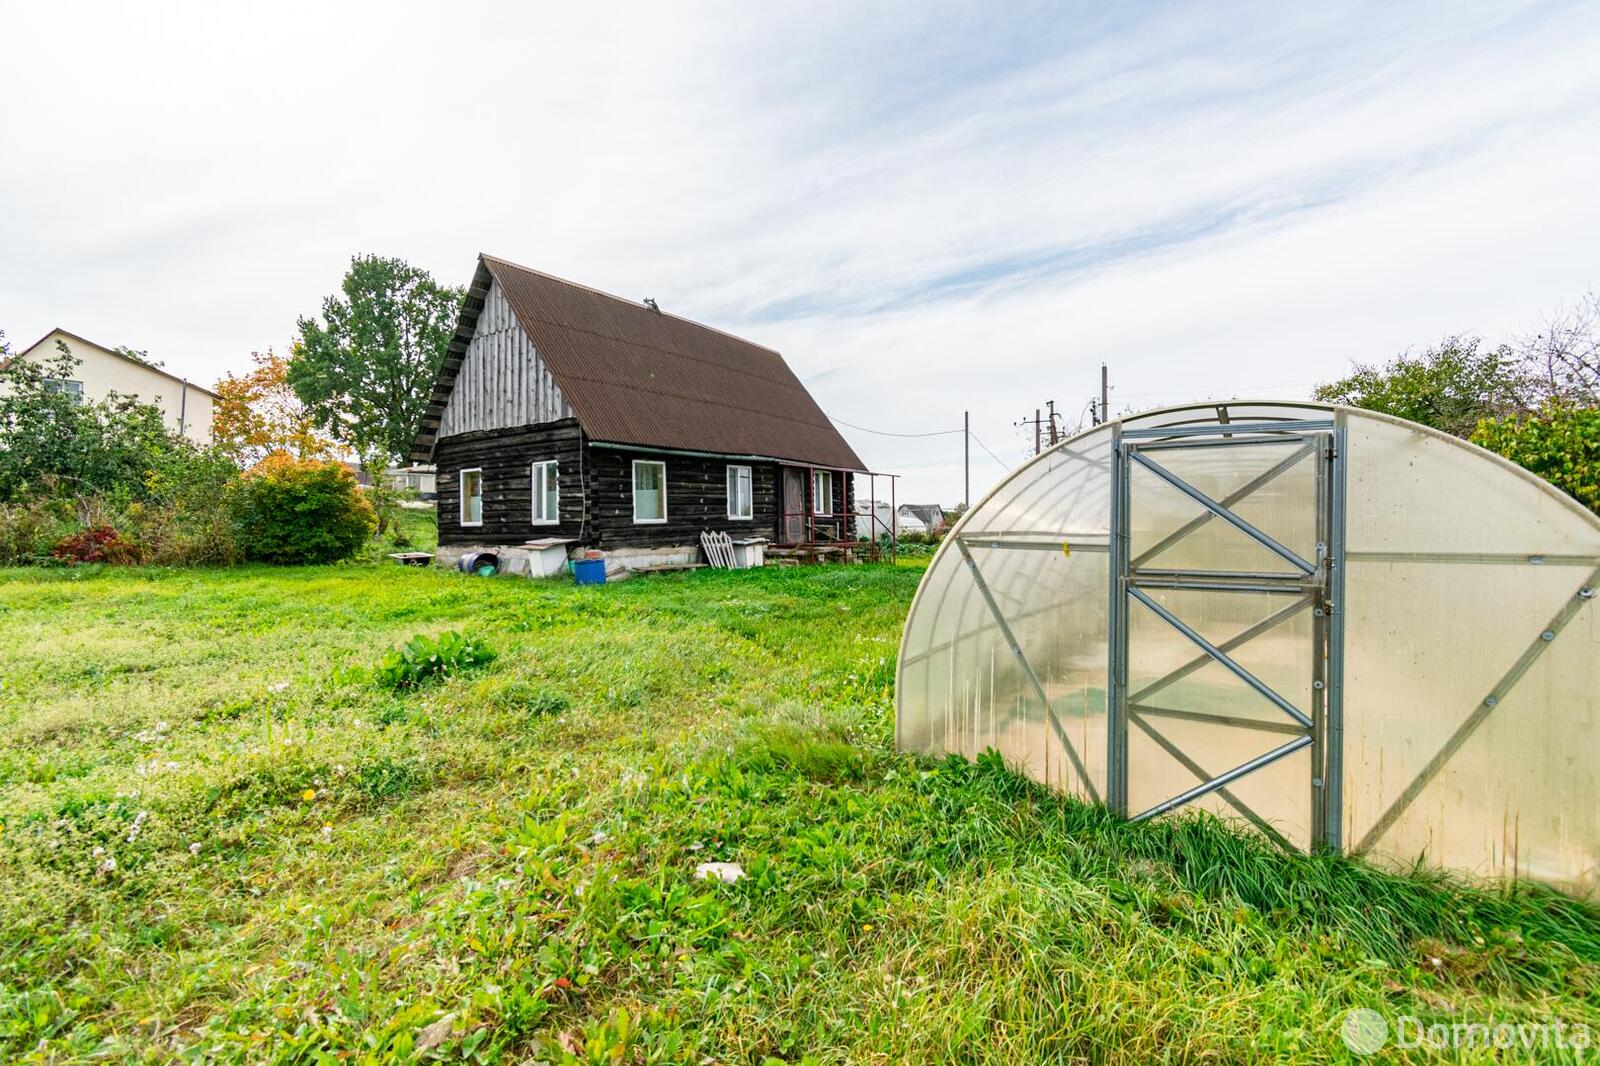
<point x="472" y="497"/>
<point x="73" y="389"/>
<point x="741" y="498"/>
<point x="822" y="493"/>
<point x="649" y="491"/>
<point x="546" y="493"/>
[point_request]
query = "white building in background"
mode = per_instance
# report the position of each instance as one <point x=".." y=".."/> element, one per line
<point x="420" y="478"/>
<point x="185" y="406"/>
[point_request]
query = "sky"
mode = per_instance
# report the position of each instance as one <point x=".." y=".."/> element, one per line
<point x="929" y="208"/>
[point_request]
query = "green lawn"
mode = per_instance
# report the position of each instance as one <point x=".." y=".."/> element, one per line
<point x="224" y="841"/>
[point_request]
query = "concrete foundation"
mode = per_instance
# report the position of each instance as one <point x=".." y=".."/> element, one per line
<point x="523" y="560"/>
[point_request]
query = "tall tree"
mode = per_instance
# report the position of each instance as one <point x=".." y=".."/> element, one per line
<point x="258" y="414"/>
<point x="1451" y="387"/>
<point x="365" y="372"/>
<point x="1563" y="359"/>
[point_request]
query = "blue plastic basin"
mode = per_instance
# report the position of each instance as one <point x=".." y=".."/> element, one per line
<point x="589" y="571"/>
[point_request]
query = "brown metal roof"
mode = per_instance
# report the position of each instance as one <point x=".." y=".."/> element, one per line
<point x="643" y="377"/>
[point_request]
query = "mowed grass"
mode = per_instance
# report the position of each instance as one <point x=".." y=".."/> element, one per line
<point x="223" y="841"/>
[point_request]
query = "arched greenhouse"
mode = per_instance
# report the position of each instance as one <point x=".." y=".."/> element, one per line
<point x="1350" y="631"/>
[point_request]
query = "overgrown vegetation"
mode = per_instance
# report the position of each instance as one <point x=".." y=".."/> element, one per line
<point x="106" y="481"/>
<point x="222" y="842"/>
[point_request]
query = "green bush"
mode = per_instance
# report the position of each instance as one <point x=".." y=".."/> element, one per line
<point x="1561" y="444"/>
<point x="29" y="530"/>
<point x="299" y="511"/>
<point x="422" y="658"/>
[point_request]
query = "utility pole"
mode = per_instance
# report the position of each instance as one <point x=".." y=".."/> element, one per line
<point x="966" y="460"/>
<point x="1105" y="395"/>
<point x="1036" y="431"/>
<point x="1052" y="405"/>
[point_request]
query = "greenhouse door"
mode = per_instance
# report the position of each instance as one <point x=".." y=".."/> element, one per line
<point x="1226" y="641"/>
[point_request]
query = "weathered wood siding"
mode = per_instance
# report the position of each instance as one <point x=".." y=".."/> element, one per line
<point x="506" y="457"/>
<point x="697" y="499"/>
<point x="597" y="491"/>
<point x="502" y="382"/>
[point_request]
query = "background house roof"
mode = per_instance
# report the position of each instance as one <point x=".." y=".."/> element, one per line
<point x="120" y="355"/>
<point x="638" y="376"/>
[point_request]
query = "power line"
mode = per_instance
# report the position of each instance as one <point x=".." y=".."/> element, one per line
<point x="887" y="433"/>
<point x="992" y="455"/>
<point x="934" y="433"/>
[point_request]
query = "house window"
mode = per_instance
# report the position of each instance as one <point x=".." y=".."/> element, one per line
<point x="73" y="389"/>
<point x="741" y="503"/>
<point x="472" y="497"/>
<point x="649" y="491"/>
<point x="546" y="493"/>
<point x="822" y="492"/>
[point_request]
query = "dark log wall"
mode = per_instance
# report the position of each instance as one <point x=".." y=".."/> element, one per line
<point x="597" y="492"/>
<point x="697" y="499"/>
<point x="506" y="457"/>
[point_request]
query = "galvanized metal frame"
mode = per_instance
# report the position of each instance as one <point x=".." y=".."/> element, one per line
<point x="1266" y="541"/>
<point x="1117" y="631"/>
<point x="1317" y="585"/>
<point x="1331" y="749"/>
<point x="1267" y="692"/>
<point x="1265" y="477"/>
<point x="1228" y="429"/>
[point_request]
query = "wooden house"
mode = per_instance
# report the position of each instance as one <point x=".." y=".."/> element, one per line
<point x="563" y="414"/>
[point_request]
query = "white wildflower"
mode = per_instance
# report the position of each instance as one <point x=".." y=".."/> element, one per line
<point x="194" y="849"/>
<point x="108" y="866"/>
<point x="279" y="687"/>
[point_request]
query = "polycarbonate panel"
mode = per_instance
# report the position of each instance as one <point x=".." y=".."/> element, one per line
<point x="1458" y="566"/>
<point x="1039" y="542"/>
<point x="1271" y="486"/>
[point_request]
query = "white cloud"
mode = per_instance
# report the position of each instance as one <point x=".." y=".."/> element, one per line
<point x="927" y="208"/>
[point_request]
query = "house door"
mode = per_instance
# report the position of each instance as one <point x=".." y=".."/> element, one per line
<point x="1226" y="649"/>
<point x="794" y="505"/>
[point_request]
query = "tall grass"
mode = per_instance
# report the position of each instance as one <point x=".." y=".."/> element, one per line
<point x="501" y="867"/>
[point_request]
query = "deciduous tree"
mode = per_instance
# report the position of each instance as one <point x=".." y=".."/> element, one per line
<point x="257" y="414"/>
<point x="365" y="371"/>
<point x="1451" y="387"/>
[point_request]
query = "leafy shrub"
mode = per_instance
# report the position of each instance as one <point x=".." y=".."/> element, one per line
<point x="97" y="544"/>
<point x="28" y="531"/>
<point x="299" y="511"/>
<point x="1561" y="444"/>
<point x="422" y="658"/>
<point x="187" y="514"/>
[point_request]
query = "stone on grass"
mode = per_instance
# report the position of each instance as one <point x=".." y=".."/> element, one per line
<point x="726" y="872"/>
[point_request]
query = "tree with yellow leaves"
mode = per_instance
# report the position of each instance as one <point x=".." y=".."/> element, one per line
<point x="258" y="414"/>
